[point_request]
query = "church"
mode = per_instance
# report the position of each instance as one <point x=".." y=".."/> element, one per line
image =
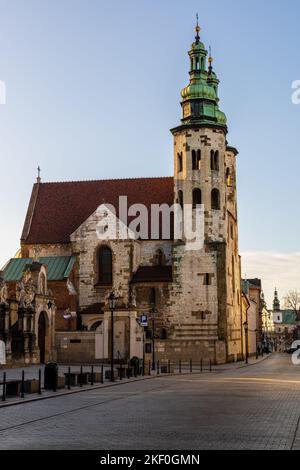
<point x="190" y="298"/>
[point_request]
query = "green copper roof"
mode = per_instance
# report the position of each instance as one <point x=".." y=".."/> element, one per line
<point x="59" y="267"/>
<point x="289" y="317"/>
<point x="200" y="100"/>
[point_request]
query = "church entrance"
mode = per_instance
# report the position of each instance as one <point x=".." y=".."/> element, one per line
<point x="42" y="336"/>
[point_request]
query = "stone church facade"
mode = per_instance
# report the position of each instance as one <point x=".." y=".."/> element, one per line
<point x="192" y="297"/>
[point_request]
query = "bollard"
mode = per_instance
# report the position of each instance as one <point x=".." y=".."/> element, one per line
<point x="169" y="366"/>
<point x="40" y="382"/>
<point x="210" y="369"/>
<point x="149" y="368"/>
<point x="92" y="375"/>
<point x="180" y="367"/>
<point x="55" y="381"/>
<point x="143" y="368"/>
<point x="4" y="387"/>
<point x="69" y="378"/>
<point x="191" y="366"/>
<point x="158" y="371"/>
<point x="102" y="374"/>
<point x="128" y="370"/>
<point x="22" y="384"/>
<point x="80" y="380"/>
<point x="201" y="365"/>
<point x="121" y="371"/>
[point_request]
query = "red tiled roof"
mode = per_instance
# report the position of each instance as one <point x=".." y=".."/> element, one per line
<point x="153" y="274"/>
<point x="56" y="210"/>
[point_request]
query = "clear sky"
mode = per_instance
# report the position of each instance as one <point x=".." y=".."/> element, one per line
<point x="93" y="88"/>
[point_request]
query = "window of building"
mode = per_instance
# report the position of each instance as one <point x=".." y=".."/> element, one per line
<point x="163" y="334"/>
<point x="228" y="177"/>
<point x="197" y="198"/>
<point x="152" y="296"/>
<point x="196" y="159"/>
<point x="180" y="163"/>
<point x="207" y="279"/>
<point x="215" y="199"/>
<point x="105" y="266"/>
<point x="180" y="198"/>
<point x="214" y="160"/>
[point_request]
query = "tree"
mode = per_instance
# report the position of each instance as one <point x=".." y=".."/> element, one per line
<point x="292" y="301"/>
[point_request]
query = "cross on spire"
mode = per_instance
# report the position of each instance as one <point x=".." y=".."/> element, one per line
<point x="197" y="29"/>
<point x="39" y="174"/>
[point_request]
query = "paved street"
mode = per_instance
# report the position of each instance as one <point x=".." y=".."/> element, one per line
<point x="257" y="407"/>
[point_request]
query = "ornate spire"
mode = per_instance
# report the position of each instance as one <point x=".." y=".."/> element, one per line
<point x="200" y="101"/>
<point x="276" y="302"/>
<point x="197" y="29"/>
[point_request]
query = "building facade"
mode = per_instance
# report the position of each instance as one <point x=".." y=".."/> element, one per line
<point x="285" y="325"/>
<point x="191" y="297"/>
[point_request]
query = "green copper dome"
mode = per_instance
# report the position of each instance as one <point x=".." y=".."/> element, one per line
<point x="200" y="90"/>
<point x="221" y="117"/>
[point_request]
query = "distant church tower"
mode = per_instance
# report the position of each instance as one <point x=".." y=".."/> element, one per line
<point x="206" y="289"/>
<point x="276" y="302"/>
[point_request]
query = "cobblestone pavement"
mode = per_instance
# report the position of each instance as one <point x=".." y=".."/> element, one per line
<point x="256" y="407"/>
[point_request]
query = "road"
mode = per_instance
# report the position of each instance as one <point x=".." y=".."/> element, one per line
<point x="256" y="407"/>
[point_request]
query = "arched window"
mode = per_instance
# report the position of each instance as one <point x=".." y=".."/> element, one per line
<point x="215" y="199"/>
<point x="214" y="160"/>
<point x="228" y="177"/>
<point x="197" y="198"/>
<point x="180" y="163"/>
<point x="197" y="63"/>
<point x="180" y="198"/>
<point x="42" y="284"/>
<point x="196" y="159"/>
<point x="105" y="266"/>
<point x="152" y="296"/>
<point x="96" y="325"/>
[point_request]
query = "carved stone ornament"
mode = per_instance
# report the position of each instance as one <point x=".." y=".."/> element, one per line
<point x="3" y="292"/>
<point x="25" y="292"/>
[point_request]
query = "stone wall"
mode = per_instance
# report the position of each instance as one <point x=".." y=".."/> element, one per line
<point x="75" y="347"/>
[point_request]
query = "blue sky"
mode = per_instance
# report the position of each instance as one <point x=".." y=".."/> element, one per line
<point x="93" y="88"/>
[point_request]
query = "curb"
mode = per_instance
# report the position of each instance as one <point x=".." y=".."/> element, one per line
<point x="123" y="382"/>
<point x="99" y="387"/>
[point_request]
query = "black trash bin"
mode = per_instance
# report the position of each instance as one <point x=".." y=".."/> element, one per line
<point x="50" y="376"/>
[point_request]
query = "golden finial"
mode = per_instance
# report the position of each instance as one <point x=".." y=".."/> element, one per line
<point x="210" y="59"/>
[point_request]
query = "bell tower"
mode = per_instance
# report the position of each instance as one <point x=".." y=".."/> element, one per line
<point x="205" y="174"/>
<point x="200" y="144"/>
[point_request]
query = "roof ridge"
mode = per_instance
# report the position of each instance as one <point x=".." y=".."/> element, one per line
<point x="109" y="179"/>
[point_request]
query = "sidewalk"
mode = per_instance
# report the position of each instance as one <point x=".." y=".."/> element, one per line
<point x="32" y="372"/>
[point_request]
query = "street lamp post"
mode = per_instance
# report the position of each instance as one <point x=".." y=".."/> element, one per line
<point x="246" y="340"/>
<point x="112" y="300"/>
<point x="153" y="339"/>
<point x="256" y="352"/>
